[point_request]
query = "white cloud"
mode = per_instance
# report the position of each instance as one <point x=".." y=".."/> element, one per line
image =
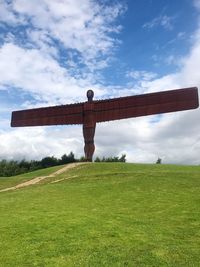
<point x="82" y="31"/>
<point x="170" y="60"/>
<point x="163" y="21"/>
<point x="41" y="76"/>
<point x="81" y="25"/>
<point x="141" y="75"/>
<point x="174" y="137"/>
<point x="7" y="15"/>
<point x="191" y="65"/>
<point x="197" y="4"/>
<point x="35" y="143"/>
<point x="186" y="76"/>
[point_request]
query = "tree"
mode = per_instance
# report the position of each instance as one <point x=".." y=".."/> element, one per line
<point x="49" y="162"/>
<point x="10" y="168"/>
<point x="97" y="159"/>
<point x="112" y="159"/>
<point x="159" y="161"/>
<point x="122" y="158"/>
<point x="67" y="158"/>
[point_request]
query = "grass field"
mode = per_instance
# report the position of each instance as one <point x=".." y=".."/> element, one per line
<point x="107" y="214"/>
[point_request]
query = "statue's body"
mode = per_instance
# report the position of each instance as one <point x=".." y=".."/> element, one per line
<point x="89" y="125"/>
<point x="91" y="112"/>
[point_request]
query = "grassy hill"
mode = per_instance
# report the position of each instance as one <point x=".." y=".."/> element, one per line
<point x="104" y="214"/>
<point x="6" y="182"/>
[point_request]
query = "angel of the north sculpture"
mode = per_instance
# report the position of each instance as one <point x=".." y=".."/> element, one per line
<point x="90" y="112"/>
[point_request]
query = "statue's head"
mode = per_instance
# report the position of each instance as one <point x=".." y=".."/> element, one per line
<point x="90" y="95"/>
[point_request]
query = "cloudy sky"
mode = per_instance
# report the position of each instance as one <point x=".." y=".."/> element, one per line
<point x="53" y="51"/>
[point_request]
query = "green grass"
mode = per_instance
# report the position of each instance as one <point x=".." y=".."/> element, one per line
<point x="110" y="214"/>
<point x="6" y="182"/>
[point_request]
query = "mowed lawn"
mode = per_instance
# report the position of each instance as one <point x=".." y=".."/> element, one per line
<point x="105" y="214"/>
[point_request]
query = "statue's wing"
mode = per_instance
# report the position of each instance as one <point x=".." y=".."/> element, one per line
<point x="147" y="104"/>
<point x="58" y="115"/>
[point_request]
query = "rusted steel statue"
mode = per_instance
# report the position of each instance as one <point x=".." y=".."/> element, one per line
<point x="91" y="112"/>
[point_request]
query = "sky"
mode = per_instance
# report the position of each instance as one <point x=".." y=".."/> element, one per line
<point x="53" y="51"/>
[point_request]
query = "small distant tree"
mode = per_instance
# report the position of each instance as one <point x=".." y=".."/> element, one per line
<point x="49" y="162"/>
<point x="122" y="158"/>
<point x="82" y="159"/>
<point x="71" y="157"/>
<point x="103" y="159"/>
<point x="159" y="161"/>
<point x="35" y="165"/>
<point x="112" y="159"/>
<point x="97" y="159"/>
<point x="67" y="158"/>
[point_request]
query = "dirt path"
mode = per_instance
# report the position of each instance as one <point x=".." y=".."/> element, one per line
<point x="40" y="178"/>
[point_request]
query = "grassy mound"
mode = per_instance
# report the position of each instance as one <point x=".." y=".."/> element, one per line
<point x="104" y="214"/>
<point x="6" y="182"/>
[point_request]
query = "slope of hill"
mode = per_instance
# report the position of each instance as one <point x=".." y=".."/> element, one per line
<point x="33" y="178"/>
<point x="104" y="214"/>
<point x="6" y="182"/>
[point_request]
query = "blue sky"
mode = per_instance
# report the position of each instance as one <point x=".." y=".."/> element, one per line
<point x="52" y="52"/>
<point x="154" y="33"/>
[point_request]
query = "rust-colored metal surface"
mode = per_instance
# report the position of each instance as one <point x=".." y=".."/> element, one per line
<point x="147" y="104"/>
<point x="89" y="125"/>
<point x="58" y="115"/>
<point x="91" y="112"/>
